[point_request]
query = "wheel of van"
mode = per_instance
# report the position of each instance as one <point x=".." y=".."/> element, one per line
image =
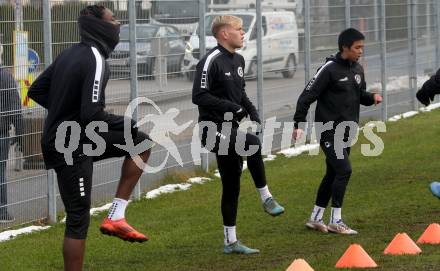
<point x="252" y="70"/>
<point x="150" y="69"/>
<point x="290" y="67"/>
<point x="142" y="70"/>
<point x="179" y="68"/>
<point x="113" y="74"/>
<point x="190" y="75"/>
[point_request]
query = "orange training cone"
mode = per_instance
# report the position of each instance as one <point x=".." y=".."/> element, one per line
<point x="431" y="235"/>
<point x="355" y="257"/>
<point x="402" y="244"/>
<point x="299" y="265"/>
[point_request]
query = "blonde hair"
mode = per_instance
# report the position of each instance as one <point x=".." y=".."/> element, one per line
<point x="224" y="20"/>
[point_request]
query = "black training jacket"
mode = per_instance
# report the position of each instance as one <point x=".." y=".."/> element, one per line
<point x="429" y="89"/>
<point x="72" y="88"/>
<point x="219" y="86"/>
<point x="339" y="87"/>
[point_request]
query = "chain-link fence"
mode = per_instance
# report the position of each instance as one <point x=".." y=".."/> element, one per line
<point x="161" y="42"/>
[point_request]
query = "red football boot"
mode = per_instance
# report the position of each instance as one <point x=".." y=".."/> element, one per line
<point x="121" y="229"/>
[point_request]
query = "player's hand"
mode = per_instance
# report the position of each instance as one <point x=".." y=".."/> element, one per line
<point x="240" y="114"/>
<point x="297" y="133"/>
<point x="256" y="118"/>
<point x="377" y="99"/>
<point x="424" y="96"/>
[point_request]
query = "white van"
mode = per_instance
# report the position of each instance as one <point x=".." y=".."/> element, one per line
<point x="280" y="43"/>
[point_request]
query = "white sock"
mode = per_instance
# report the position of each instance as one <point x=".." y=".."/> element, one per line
<point x="317" y="213"/>
<point x="336" y="215"/>
<point x="117" y="210"/>
<point x="264" y="193"/>
<point x="230" y="235"/>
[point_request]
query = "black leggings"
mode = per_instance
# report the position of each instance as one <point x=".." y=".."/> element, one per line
<point x="336" y="178"/>
<point x="230" y="165"/>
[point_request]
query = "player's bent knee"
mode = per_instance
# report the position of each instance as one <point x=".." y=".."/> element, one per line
<point x="253" y="140"/>
<point x="141" y="137"/>
<point x="78" y="221"/>
<point x="144" y="155"/>
<point x="346" y="171"/>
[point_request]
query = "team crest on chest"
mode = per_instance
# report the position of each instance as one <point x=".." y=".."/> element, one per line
<point x="240" y="71"/>
<point x="358" y="79"/>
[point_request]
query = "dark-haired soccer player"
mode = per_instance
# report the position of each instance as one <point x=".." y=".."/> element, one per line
<point x="339" y="87"/>
<point x="72" y="89"/>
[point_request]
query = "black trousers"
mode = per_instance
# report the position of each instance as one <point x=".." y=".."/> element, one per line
<point x="337" y="175"/>
<point x="230" y="165"/>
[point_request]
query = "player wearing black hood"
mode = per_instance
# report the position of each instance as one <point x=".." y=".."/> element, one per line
<point x="72" y="88"/>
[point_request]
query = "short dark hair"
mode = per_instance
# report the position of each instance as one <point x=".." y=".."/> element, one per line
<point x="93" y="10"/>
<point x="348" y="37"/>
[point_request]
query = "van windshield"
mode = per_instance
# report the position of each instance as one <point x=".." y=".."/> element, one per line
<point x="247" y="20"/>
<point x="142" y="32"/>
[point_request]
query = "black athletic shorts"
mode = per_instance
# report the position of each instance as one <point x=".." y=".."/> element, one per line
<point x="117" y="137"/>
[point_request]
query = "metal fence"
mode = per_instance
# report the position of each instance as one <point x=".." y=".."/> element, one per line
<point x="160" y="45"/>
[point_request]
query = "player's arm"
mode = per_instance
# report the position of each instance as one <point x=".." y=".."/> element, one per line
<point x="247" y="104"/>
<point x="92" y="98"/>
<point x="367" y="98"/>
<point x="39" y="90"/>
<point x="311" y="93"/>
<point x="201" y="92"/>
<point x="249" y="107"/>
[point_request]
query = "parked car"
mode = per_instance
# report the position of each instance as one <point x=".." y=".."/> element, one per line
<point x="152" y="40"/>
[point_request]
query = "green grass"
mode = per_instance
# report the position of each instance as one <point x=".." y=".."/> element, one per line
<point x="386" y="195"/>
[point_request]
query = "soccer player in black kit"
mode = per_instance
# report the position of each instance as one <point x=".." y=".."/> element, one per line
<point x="339" y="87"/>
<point x="425" y="95"/>
<point x="219" y="92"/>
<point x="72" y="89"/>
